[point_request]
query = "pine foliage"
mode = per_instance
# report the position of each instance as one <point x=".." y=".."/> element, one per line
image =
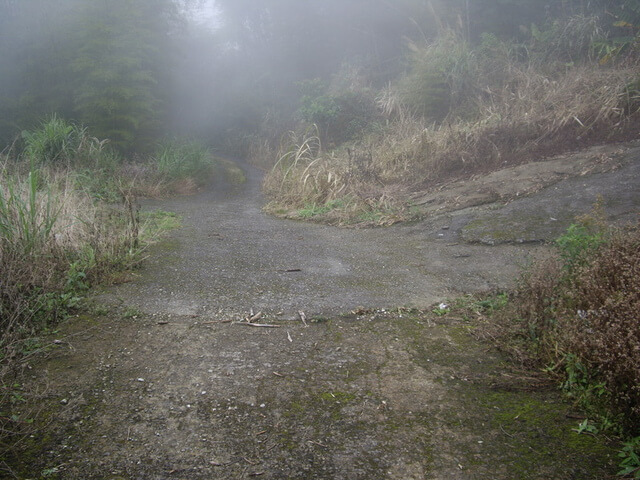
<point x="118" y="64"/>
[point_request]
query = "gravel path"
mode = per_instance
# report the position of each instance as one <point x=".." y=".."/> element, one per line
<point x="230" y="257"/>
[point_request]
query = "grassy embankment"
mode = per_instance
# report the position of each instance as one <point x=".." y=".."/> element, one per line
<point x="69" y="220"/>
<point x="460" y="110"/>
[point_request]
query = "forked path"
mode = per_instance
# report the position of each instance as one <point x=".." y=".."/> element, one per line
<point x="229" y="258"/>
<point x="169" y="385"/>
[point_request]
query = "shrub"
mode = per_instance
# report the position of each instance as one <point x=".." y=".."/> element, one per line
<point x="604" y="329"/>
<point x="321" y="110"/>
<point x="583" y="306"/>
<point x="356" y="114"/>
<point x="340" y="115"/>
<point x="568" y="40"/>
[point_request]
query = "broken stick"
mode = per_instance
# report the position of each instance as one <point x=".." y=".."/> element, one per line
<point x="263" y="325"/>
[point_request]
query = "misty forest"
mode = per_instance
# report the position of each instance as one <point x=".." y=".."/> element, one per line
<point x="364" y="239"/>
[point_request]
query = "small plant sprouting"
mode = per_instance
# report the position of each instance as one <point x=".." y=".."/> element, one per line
<point x="630" y="455"/>
<point x="587" y="427"/>
<point x="131" y="313"/>
<point x="441" y="309"/>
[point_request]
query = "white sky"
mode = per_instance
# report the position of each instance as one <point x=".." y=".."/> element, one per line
<point x="205" y="13"/>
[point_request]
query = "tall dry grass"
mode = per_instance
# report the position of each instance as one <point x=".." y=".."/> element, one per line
<point x="525" y="116"/>
<point x="54" y="239"/>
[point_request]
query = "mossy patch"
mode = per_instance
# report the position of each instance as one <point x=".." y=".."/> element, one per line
<point x="507" y="226"/>
<point x="535" y="427"/>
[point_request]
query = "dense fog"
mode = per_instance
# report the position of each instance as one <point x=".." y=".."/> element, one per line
<point x="135" y="71"/>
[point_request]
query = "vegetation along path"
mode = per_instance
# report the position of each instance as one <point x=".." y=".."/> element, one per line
<point x="172" y="383"/>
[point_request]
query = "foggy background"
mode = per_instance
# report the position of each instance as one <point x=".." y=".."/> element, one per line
<point x="134" y="71"/>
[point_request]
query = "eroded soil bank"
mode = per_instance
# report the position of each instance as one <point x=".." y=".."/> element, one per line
<point x="163" y="383"/>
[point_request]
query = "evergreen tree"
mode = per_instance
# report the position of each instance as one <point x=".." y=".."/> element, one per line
<point x="119" y="68"/>
<point x="36" y="46"/>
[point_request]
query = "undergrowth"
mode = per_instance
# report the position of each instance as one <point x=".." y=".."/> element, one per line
<point x="176" y="166"/>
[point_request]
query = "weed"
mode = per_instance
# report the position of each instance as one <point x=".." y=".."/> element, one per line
<point x="587" y="427"/>
<point x="493" y="303"/>
<point x="441" y="309"/>
<point x="180" y="159"/>
<point x="132" y="313"/>
<point x="313" y="210"/>
<point x="49" y="472"/>
<point x="157" y="222"/>
<point x="630" y="455"/>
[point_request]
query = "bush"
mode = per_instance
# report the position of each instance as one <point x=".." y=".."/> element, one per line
<point x="604" y="329"/>
<point x="340" y="115"/>
<point x="569" y="40"/>
<point x="356" y="114"/>
<point x="581" y="308"/>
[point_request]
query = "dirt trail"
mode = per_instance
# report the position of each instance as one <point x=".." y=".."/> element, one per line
<point x="165" y="390"/>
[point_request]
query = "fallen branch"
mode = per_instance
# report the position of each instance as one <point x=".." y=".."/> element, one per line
<point x="317" y="443"/>
<point x="263" y="325"/>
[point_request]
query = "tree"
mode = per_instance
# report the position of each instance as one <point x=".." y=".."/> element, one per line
<point x="102" y="63"/>
<point x="119" y="65"/>
<point x="36" y="46"/>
